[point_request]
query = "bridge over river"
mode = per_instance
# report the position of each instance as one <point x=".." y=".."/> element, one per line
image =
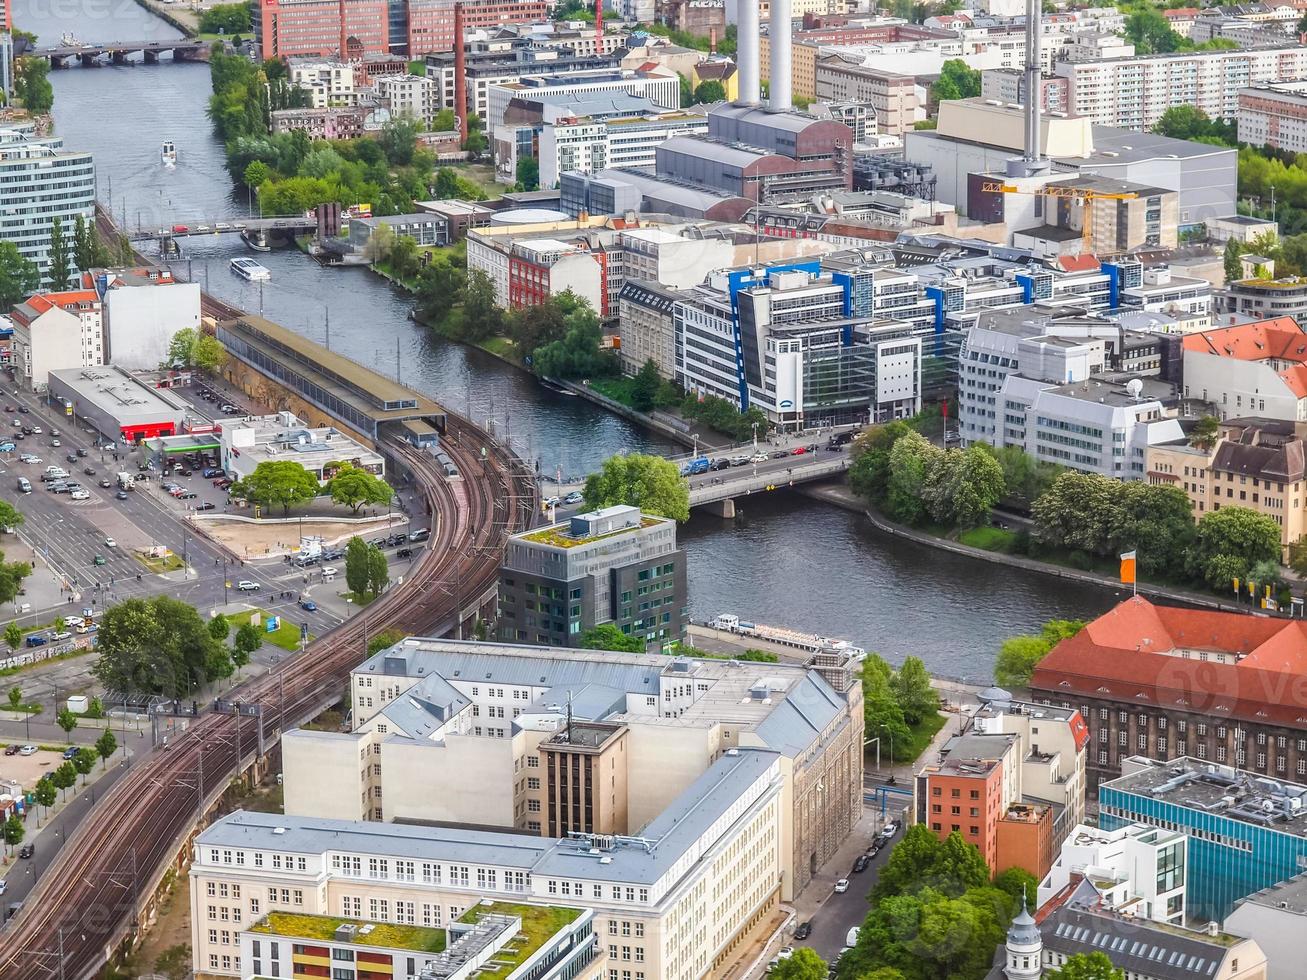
<point x="117" y="52"/>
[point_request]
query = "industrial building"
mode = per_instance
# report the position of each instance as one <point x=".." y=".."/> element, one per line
<point x="247" y="442"/>
<point x="118" y="405"/>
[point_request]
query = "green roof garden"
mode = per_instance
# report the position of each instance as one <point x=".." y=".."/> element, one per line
<point x="556" y="534"/>
<point x="540" y="923"/>
<point x="386" y="935"/>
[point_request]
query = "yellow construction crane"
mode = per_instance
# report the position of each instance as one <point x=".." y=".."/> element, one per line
<point x="1086" y="196"/>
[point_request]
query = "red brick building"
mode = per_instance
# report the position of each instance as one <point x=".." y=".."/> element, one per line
<point x="966" y="796"/>
<point x="1165" y="682"/>
<point x="354" y="28"/>
<point x="431" y="22"/>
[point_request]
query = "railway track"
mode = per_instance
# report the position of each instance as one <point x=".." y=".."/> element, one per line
<point x="88" y="900"/>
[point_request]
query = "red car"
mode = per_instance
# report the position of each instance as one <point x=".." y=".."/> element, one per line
<point x="799" y="450"/>
<point x="180" y="229"/>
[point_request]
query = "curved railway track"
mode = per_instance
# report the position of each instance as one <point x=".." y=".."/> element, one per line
<point x="87" y="900"/>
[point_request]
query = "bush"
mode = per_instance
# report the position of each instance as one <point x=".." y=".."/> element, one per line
<point x="1080" y="560"/>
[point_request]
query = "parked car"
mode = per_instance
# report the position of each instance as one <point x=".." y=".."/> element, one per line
<point x="575" y="497"/>
<point x="739" y="460"/>
<point x="70" y="752"/>
<point x="7" y="447"/>
<point x="187" y="495"/>
<point x="404" y="553"/>
<point x="207" y="505"/>
<point x="26" y="851"/>
<point x="99" y="559"/>
<point x="804" y="930"/>
<point x="889" y="830"/>
<point x="81" y="453"/>
<point x="421" y="534"/>
<point x="798" y="450"/>
<point x="110" y="543"/>
<point x="27" y="750"/>
<point x="210" y="471"/>
<point x="80" y="495"/>
<point x="841" y="886"/>
<point x="11" y="750"/>
<point x="861" y="864"/>
<point x="245" y="585"/>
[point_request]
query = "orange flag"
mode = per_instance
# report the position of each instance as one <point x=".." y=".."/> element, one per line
<point x="1128" y="568"/>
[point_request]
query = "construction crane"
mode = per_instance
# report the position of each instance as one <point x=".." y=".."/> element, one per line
<point x="1086" y="196"/>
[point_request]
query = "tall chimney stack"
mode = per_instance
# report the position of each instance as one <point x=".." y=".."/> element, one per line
<point x="748" y="46"/>
<point x="1032" y="162"/>
<point x="599" y="28"/>
<point x="712" y="39"/>
<point x="780" y="35"/>
<point x="460" y="72"/>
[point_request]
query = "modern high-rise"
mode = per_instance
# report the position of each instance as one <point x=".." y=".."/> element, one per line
<point x="351" y="29"/>
<point x="615" y="566"/>
<point x="41" y="181"/>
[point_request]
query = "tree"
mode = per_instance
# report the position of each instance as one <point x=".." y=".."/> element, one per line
<point x="1205" y="432"/>
<point x="963" y="485"/>
<point x="578" y="353"/>
<point x="15" y="697"/>
<point x="440" y="288"/>
<point x="911" y="685"/>
<point x="105" y="746"/>
<point x="379" y="244"/>
<point x="528" y="173"/>
<point x="710" y="91"/>
<point x="608" y="637"/>
<point x="283" y="482"/>
<point x="869" y="468"/>
<point x="1018" y="882"/>
<point x="802" y="964"/>
<point x="353" y="488"/>
<point x="66" y="720"/>
<point x="1086" y="966"/>
<point x="1183" y="122"/>
<point x="908" y="463"/>
<point x="174" y="962"/>
<point x="482" y="316"/>
<point x="378" y="571"/>
<point x="13" y="636"/>
<point x="1019" y="655"/>
<point x="220" y="627"/>
<point x="155" y="646"/>
<point x="64" y="778"/>
<point x="644" y="392"/>
<point x="12" y="574"/>
<point x="1230" y="541"/>
<point x="208" y="354"/>
<point x="1233" y="263"/>
<point x="921" y="860"/>
<point x="61" y="271"/>
<point x="248" y="639"/>
<point x="83" y="244"/>
<point x="882" y="715"/>
<point x="957" y="80"/>
<point x="14" y="831"/>
<point x="639" y="480"/>
<point x="226" y="18"/>
<point x="84" y="762"/>
<point x="46" y="792"/>
<point x="256" y="174"/>
<point x="19" y="276"/>
<point x="32" y="86"/>
<point x="356" y="566"/>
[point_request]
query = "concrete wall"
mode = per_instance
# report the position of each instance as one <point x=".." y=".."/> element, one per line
<point x="140" y="322"/>
<point x="464" y="780"/>
<point x="322" y="773"/>
<point x="1240" y="388"/>
<point x="678" y="756"/>
<point x="1277" y="931"/>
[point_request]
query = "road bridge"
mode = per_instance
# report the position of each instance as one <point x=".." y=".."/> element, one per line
<point x="116" y="52"/>
<point x="719" y="489"/>
<point x="256" y="228"/>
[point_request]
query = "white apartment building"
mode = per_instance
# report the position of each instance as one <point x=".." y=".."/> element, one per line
<point x="143" y="309"/>
<point x="673" y="904"/>
<point x="410" y="96"/>
<point x="1184" y="297"/>
<point x="57" y="330"/>
<point x="1096" y="46"/>
<point x="329" y="83"/>
<point x="590" y="145"/>
<point x="1137" y="871"/>
<point x="1249" y="369"/>
<point x="1274" y="116"/>
<point x="1134" y="93"/>
<point x="41" y="181"/>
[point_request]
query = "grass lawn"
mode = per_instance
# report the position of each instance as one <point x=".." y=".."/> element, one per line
<point x="359" y="599"/>
<point x="540" y="923"/>
<point x="500" y="347"/>
<point x="287" y="636"/>
<point x="922" y="733"/>
<point x="989" y="539"/>
<point x="421" y="938"/>
<point x="169" y="563"/>
<point x="619" y="389"/>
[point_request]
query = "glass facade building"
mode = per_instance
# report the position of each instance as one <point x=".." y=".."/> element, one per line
<point x="1246" y="832"/>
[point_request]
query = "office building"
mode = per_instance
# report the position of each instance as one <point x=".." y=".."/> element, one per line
<point x="56" y="330"/>
<point x="1167" y="682"/>
<point x="1137" y="948"/>
<point x="508" y="940"/>
<point x="1187" y="298"/>
<point x="429" y="24"/>
<point x="1273" y="918"/>
<point x="1264" y="296"/>
<point x="1134" y="93"/>
<point x="1246" y="831"/>
<point x="117" y="405"/>
<point x="526" y="273"/>
<point x="655" y="900"/>
<point x="42" y="181"/>
<point x="966" y="796"/>
<point x="614" y="566"/>
<point x="1275" y="116"/>
<point x="1258" y="464"/>
<point x="501" y="61"/>
<point x="1250" y="369"/>
<point x="349" y="29"/>
<point x="897" y="99"/>
<point x="144" y="308"/>
<point x="1135" y="870"/>
<point x="660" y="86"/>
<point x="247" y="442"/>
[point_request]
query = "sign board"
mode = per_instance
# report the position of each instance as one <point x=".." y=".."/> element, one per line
<point x="272" y="625"/>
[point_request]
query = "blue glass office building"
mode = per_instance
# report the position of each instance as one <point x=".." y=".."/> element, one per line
<point x="1246" y="832"/>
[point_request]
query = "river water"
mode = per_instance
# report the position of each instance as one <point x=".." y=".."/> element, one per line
<point x="785" y="560"/>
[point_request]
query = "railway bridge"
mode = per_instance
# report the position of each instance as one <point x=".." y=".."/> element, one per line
<point x="117" y="52"/>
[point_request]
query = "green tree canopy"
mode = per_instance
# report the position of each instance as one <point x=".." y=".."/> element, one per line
<point x="61" y="257"/>
<point x="528" y="173"/>
<point x="1086" y="966"/>
<point x="1230" y="541"/>
<point x="606" y="636"/>
<point x="957" y="80"/>
<point x="921" y="860"/>
<point x="105" y="746"/>
<point x="802" y="964"/>
<point x="356" y="566"/>
<point x="639" y="480"/>
<point x="1019" y="655"/>
<point x="911" y="685"/>
<point x="279" y="482"/>
<point x="32" y="85"/>
<point x="709" y="92"/>
<point x="355" y="488"/>
<point x="883" y="715"/>
<point x="19" y="276"/>
<point x="226" y="18"/>
<point x="154" y="646"/>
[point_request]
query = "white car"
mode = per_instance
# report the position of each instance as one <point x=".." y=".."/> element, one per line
<point x="79" y="495"/>
<point x="56" y="637"/>
<point x="841" y="886"/>
<point x="28" y="458"/>
<point x="36" y="430"/>
<point x="27" y="750"/>
<point x="329" y="571"/>
<point x="110" y="543"/>
<point x="758" y="458"/>
<point x="245" y="585"/>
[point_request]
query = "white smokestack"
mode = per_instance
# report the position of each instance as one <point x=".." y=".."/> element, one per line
<point x="779" y="33"/>
<point x="747" y="59"/>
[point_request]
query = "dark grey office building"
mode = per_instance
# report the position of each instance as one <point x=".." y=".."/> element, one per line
<point x="615" y="565"/>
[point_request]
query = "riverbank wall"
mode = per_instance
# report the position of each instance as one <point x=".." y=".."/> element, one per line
<point x="182" y="18"/>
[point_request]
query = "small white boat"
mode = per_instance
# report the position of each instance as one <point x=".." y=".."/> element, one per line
<point x="168" y="154"/>
<point x="249" y="269"/>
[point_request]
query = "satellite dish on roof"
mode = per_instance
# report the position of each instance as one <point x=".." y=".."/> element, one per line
<point x="1135" y="387"/>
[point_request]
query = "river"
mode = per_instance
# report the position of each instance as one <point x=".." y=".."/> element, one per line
<point x="785" y="560"/>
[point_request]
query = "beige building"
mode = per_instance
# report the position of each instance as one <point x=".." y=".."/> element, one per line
<point x="1254" y="463"/>
<point x="583" y="771"/>
<point x="465" y="727"/>
<point x="646" y="313"/>
<point x="895" y="97"/>
<point x="683" y="900"/>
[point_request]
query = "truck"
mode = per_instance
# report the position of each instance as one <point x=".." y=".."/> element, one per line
<point x="126" y="481"/>
<point x="696" y="466"/>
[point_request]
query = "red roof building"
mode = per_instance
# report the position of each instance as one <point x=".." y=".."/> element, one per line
<point x="1167" y="682"/>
